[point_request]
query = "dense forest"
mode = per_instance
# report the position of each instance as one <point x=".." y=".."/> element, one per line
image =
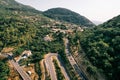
<point x="102" y="46"/>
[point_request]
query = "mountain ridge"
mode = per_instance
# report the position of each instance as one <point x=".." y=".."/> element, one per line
<point x="67" y="15"/>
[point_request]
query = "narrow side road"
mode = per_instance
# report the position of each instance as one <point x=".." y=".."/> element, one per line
<point x="72" y="61"/>
<point x="22" y="73"/>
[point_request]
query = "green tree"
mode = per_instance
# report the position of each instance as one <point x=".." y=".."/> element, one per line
<point x="4" y="71"/>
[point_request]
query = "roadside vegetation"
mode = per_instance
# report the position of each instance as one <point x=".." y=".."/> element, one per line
<point x="72" y="74"/>
<point x="80" y="56"/>
<point x="37" y="70"/>
<point x="59" y="74"/>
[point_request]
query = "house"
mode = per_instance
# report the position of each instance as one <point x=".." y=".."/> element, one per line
<point x="48" y="38"/>
<point x="26" y="53"/>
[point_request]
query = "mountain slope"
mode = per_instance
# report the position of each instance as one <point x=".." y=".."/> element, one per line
<point x="114" y="22"/>
<point x="17" y="22"/>
<point x="63" y="14"/>
<point x="102" y="47"/>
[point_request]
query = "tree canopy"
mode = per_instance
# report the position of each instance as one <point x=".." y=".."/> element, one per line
<point x="102" y="46"/>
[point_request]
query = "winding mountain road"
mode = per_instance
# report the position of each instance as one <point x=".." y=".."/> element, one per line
<point x="51" y="68"/>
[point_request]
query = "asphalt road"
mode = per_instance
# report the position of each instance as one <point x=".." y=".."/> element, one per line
<point x="22" y="73"/>
<point x="73" y="62"/>
<point x="51" y="68"/>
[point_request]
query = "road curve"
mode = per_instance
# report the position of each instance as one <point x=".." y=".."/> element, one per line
<point x="51" y="68"/>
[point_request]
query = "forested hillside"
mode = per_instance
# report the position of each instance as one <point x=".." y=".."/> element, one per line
<point x="102" y="47"/>
<point x="17" y="23"/>
<point x="63" y="14"/>
<point x="24" y="28"/>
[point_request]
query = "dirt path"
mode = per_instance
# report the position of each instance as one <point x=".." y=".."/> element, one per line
<point x="42" y="66"/>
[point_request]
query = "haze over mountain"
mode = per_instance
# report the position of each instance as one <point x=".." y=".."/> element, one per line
<point x="97" y="22"/>
<point x="63" y="14"/>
